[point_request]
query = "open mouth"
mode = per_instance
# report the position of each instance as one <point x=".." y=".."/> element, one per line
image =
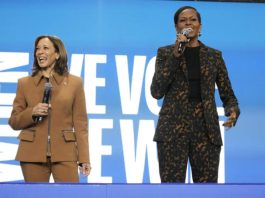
<point x="41" y="59"/>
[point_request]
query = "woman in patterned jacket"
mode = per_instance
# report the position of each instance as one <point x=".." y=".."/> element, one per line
<point x="188" y="127"/>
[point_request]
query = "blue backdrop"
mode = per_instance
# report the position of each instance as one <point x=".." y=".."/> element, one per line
<point x="112" y="45"/>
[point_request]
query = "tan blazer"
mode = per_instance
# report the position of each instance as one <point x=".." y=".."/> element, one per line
<point x="68" y="120"/>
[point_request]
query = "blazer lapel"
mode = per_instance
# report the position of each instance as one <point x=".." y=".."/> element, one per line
<point x="204" y="68"/>
<point x="184" y="68"/>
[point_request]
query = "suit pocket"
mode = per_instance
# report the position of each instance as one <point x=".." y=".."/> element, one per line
<point x="27" y="135"/>
<point x="69" y="136"/>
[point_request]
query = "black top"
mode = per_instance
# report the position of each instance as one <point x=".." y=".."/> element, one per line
<point x="193" y="64"/>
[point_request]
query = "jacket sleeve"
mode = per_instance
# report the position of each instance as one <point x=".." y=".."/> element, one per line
<point x="165" y="67"/>
<point x="230" y="102"/>
<point x="21" y="115"/>
<point x="80" y="121"/>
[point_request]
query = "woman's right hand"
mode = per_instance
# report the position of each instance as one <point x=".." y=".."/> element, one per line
<point x="40" y="109"/>
<point x="180" y="39"/>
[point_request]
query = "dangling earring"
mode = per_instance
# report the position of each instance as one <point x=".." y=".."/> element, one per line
<point x="199" y="34"/>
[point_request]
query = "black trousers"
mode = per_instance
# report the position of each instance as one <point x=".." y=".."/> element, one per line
<point x="193" y="145"/>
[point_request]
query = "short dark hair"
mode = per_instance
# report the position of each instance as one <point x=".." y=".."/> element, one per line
<point x="61" y="64"/>
<point x="176" y="16"/>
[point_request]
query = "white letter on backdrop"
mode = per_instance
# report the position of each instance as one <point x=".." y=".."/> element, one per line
<point x="130" y="95"/>
<point x="135" y="161"/>
<point x="91" y="82"/>
<point x="96" y="148"/>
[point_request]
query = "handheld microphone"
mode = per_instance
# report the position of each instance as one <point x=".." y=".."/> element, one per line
<point x="46" y="98"/>
<point x="185" y="32"/>
<point x="47" y="92"/>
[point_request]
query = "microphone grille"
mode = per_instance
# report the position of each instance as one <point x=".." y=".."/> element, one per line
<point x="186" y="31"/>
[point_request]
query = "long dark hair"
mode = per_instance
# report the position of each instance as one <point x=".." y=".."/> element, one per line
<point x="60" y="66"/>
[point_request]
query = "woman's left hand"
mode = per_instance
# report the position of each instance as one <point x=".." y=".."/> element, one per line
<point x="231" y="120"/>
<point x="85" y="169"/>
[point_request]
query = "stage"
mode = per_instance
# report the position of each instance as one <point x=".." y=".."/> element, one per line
<point x="41" y="190"/>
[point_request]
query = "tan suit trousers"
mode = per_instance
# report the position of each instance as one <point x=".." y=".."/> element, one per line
<point x="41" y="172"/>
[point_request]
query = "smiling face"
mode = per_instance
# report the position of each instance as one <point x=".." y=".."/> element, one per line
<point x="45" y="53"/>
<point x="188" y="18"/>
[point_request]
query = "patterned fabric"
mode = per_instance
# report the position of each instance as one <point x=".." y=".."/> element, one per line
<point x="68" y="120"/>
<point x="171" y="82"/>
<point x="195" y="147"/>
<point x="187" y="131"/>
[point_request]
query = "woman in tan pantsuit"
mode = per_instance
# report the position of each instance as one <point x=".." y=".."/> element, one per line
<point x="54" y="133"/>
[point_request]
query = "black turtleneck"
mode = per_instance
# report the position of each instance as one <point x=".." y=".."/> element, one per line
<point x="193" y="64"/>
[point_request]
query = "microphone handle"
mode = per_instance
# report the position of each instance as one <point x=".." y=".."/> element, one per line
<point x="45" y="99"/>
<point x="37" y="119"/>
<point x="181" y="46"/>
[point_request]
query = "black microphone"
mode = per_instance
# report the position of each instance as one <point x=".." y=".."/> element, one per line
<point x="45" y="99"/>
<point x="185" y="32"/>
